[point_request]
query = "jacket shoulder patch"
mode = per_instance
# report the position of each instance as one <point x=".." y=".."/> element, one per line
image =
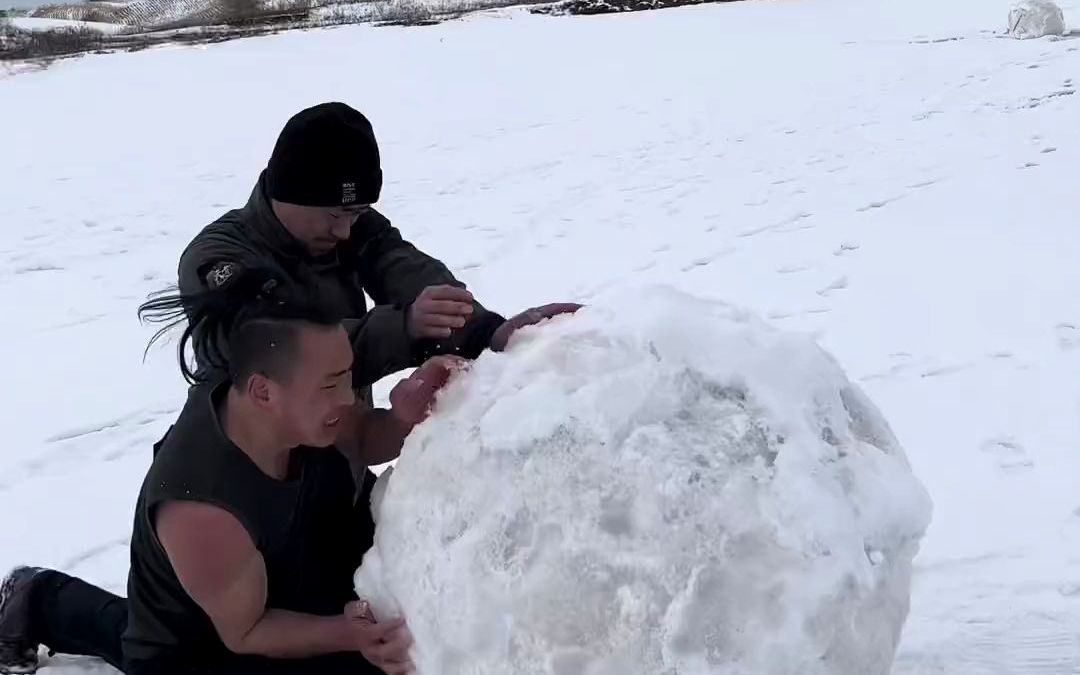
<point x="220" y="274"/>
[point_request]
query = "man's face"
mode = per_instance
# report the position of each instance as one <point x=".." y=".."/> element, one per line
<point x="320" y="229"/>
<point x="318" y="394"/>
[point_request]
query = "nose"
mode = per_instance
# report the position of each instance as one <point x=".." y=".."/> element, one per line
<point x="340" y="230"/>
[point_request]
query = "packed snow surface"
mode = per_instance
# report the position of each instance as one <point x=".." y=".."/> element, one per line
<point x="658" y="484"/>
<point x="1035" y="19"/>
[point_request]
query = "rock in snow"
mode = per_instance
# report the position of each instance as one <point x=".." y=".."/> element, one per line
<point x="656" y="485"/>
<point x="1035" y="19"/>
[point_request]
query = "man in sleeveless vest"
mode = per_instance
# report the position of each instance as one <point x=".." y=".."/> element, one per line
<point x="246" y="536"/>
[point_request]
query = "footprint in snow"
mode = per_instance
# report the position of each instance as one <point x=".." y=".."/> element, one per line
<point x="899" y="362"/>
<point x="39" y="267"/>
<point x="1031" y="642"/>
<point x="838" y="285"/>
<point x="846" y="247"/>
<point x="1009" y="455"/>
<point x="924" y="184"/>
<point x="793" y="269"/>
<point x="879" y="204"/>
<point x="946" y="370"/>
<point x="79" y="432"/>
<point x="778" y="314"/>
<point x="789" y="224"/>
<point x="75" y="322"/>
<point x="794" y="223"/>
<point x="706" y="260"/>
<point x="1068" y="336"/>
<point x="1069" y="589"/>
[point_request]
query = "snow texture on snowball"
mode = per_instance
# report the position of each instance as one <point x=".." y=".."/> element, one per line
<point x="1035" y="19"/>
<point x="656" y="485"/>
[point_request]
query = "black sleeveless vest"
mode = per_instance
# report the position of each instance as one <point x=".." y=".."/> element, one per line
<point x="309" y="532"/>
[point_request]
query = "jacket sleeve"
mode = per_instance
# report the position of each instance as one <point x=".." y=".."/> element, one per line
<point x="394" y="272"/>
<point x="380" y="344"/>
<point x="208" y="250"/>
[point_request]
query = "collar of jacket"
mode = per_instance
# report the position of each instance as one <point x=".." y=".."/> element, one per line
<point x="259" y="212"/>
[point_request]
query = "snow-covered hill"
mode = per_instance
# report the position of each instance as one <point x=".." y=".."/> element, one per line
<point x="893" y="177"/>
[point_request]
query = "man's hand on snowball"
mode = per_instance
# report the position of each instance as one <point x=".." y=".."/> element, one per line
<point x="411" y="399"/>
<point x="438" y="311"/>
<point x="385" y="645"/>
<point x="373" y="437"/>
<point x="530" y="317"/>
<point x="369" y="437"/>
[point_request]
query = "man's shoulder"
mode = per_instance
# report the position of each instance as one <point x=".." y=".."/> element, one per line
<point x="232" y="227"/>
<point x="195" y="431"/>
<point x="228" y="239"/>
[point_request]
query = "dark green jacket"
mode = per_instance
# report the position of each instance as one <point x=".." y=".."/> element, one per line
<point x="375" y="260"/>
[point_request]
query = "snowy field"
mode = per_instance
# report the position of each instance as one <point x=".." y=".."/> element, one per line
<point x="892" y="177"/>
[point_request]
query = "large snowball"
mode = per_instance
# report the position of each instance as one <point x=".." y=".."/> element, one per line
<point x="656" y="485"/>
<point x="1035" y="19"/>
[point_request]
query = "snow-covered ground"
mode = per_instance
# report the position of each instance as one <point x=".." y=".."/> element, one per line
<point x="892" y="177"/>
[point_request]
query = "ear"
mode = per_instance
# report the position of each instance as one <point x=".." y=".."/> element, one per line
<point x="260" y="389"/>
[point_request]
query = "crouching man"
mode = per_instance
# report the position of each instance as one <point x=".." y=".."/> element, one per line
<point x="247" y="529"/>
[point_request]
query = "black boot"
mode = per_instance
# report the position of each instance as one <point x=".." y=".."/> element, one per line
<point x="18" y="651"/>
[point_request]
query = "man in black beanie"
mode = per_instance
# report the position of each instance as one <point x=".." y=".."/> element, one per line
<point x="311" y="217"/>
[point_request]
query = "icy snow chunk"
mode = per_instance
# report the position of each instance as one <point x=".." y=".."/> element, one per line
<point x="1035" y="19"/>
<point x="656" y="485"/>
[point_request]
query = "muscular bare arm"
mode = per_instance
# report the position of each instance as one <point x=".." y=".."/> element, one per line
<point x="220" y="568"/>
<point x="370" y="437"/>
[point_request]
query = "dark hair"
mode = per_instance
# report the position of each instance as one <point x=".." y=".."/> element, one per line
<point x="248" y="324"/>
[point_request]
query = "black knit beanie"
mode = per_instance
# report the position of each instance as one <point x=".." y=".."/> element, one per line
<point x="325" y="156"/>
